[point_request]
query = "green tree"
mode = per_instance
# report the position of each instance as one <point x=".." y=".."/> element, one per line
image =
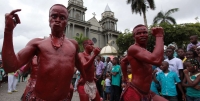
<point x="165" y="17"/>
<point x="141" y="6"/>
<point x="80" y="40"/>
<point x="124" y="41"/>
<point x="179" y="34"/>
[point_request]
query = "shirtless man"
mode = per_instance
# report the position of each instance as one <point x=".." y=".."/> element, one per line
<point x="87" y="62"/>
<point x="141" y="62"/>
<point x="56" y="56"/>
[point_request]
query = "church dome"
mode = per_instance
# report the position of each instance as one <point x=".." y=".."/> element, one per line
<point x="108" y="50"/>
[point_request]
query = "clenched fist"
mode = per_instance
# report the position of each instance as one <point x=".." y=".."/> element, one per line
<point x="12" y="19"/>
<point x="157" y="31"/>
<point x="96" y="51"/>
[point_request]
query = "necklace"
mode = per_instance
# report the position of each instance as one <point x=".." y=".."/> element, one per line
<point x="57" y="43"/>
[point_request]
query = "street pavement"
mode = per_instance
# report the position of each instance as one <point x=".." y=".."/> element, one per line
<point x="15" y="96"/>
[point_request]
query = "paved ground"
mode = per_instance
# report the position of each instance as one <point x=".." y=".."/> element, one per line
<point x="15" y="96"/>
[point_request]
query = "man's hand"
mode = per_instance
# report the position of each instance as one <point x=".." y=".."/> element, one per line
<point x="96" y="51"/>
<point x="185" y="71"/>
<point x="12" y="19"/>
<point x="157" y="31"/>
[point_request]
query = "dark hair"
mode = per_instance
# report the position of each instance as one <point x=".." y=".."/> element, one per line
<point x="139" y="25"/>
<point x="194" y="53"/>
<point x="181" y="49"/>
<point x="116" y="59"/>
<point x="194" y="62"/>
<point x="170" y="48"/>
<point x="85" y="42"/>
<point x="58" y="5"/>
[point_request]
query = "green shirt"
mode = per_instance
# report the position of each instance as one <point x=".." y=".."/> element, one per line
<point x="192" y="92"/>
<point x="117" y="78"/>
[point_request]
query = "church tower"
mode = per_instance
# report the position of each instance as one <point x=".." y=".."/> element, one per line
<point x="109" y="26"/>
<point x="76" y="19"/>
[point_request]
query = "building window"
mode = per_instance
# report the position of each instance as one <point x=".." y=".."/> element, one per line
<point x="77" y="34"/>
<point x="94" y="40"/>
<point x="113" y="42"/>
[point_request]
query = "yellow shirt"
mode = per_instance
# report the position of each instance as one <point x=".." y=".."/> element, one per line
<point x="184" y="59"/>
<point x="129" y="77"/>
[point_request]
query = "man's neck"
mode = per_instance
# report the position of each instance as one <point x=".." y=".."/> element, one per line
<point x="170" y="57"/>
<point x="87" y="53"/>
<point x="141" y="45"/>
<point x="194" y="43"/>
<point x="182" y="58"/>
<point x="166" y="71"/>
<point x="57" y="34"/>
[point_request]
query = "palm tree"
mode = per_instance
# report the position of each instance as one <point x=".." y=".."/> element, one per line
<point x="141" y="6"/>
<point x="80" y="40"/>
<point x="165" y="17"/>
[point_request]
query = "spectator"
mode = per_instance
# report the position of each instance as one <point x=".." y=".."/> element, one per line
<point x="181" y="54"/>
<point x="108" y="64"/>
<point x="167" y="80"/>
<point x="191" y="54"/>
<point x="175" y="65"/>
<point x="77" y="79"/>
<point x="172" y="46"/>
<point x="192" y="80"/>
<point x="99" y="73"/>
<point x="12" y="82"/>
<point x="193" y="43"/>
<point x="116" y="78"/>
<point x="108" y="87"/>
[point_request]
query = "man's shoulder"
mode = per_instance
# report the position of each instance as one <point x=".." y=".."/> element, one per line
<point x="35" y="41"/>
<point x="177" y="59"/>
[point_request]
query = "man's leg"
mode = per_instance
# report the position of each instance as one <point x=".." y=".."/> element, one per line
<point x="117" y="93"/>
<point x="112" y="93"/>
<point x="10" y="83"/>
<point x="82" y="95"/>
<point x="15" y="80"/>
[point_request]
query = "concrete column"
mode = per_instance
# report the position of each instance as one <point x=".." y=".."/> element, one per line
<point x="99" y="40"/>
<point x="68" y="29"/>
<point x="83" y="16"/>
<point x="88" y="31"/>
<point x="85" y="32"/>
<point x="106" y="41"/>
<point x="108" y="36"/>
<point x="116" y="27"/>
<point x="72" y="31"/>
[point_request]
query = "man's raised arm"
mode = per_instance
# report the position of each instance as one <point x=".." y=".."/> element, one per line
<point x="12" y="62"/>
<point x="154" y="58"/>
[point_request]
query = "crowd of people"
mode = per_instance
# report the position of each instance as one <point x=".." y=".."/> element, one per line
<point x="176" y="79"/>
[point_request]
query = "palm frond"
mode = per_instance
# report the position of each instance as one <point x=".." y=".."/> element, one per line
<point x="171" y="11"/>
<point x="171" y="19"/>
<point x="158" y="17"/>
<point x="151" y="4"/>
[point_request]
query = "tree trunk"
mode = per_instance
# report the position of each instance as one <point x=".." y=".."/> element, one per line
<point x="145" y="19"/>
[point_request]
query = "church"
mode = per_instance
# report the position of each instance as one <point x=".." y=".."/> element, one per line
<point x="100" y="32"/>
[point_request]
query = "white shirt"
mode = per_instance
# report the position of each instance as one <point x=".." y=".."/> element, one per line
<point x="175" y="64"/>
<point x="107" y="82"/>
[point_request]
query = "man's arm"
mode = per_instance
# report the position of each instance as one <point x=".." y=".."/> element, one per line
<point x="189" y="81"/>
<point x="154" y="58"/>
<point x="11" y="61"/>
<point x="123" y="64"/>
<point x="181" y="89"/>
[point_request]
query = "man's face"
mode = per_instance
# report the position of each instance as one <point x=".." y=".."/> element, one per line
<point x="164" y="66"/>
<point x="58" y="18"/>
<point x="141" y="35"/>
<point x="89" y="46"/>
<point x="181" y="53"/>
<point x="169" y="52"/>
<point x="189" y="55"/>
<point x="193" y="39"/>
<point x="198" y="51"/>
